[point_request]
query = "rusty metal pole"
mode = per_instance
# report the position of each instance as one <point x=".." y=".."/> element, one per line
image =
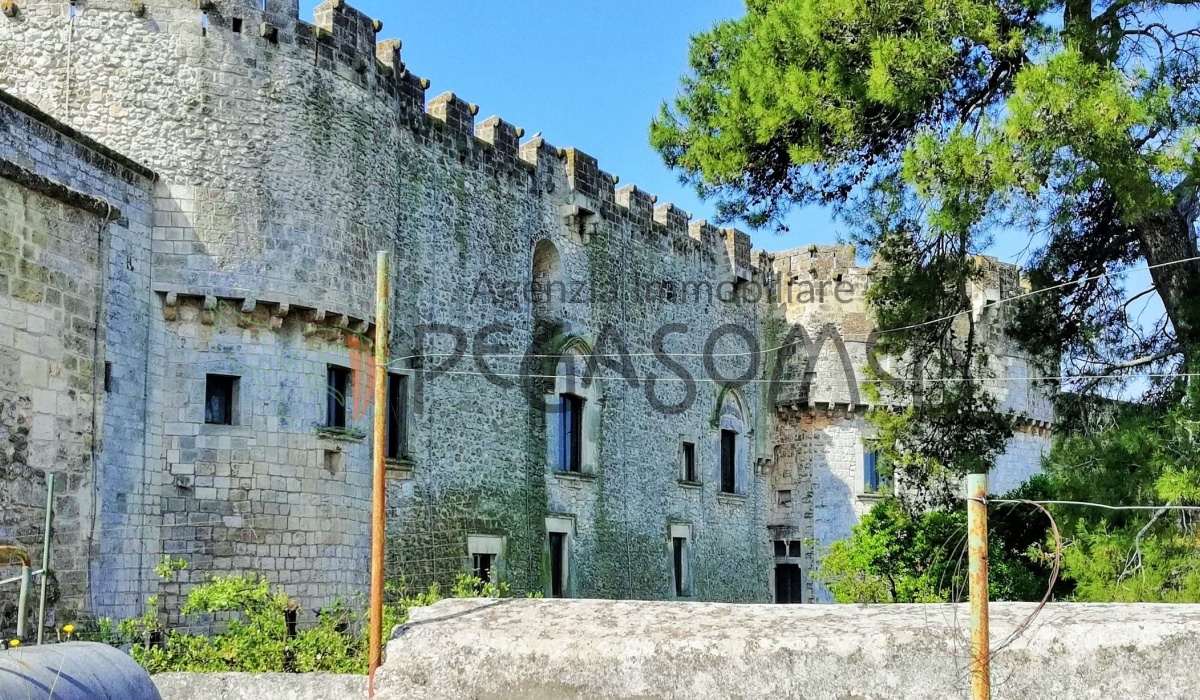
<point x="379" y="483"/>
<point x="981" y="679"/>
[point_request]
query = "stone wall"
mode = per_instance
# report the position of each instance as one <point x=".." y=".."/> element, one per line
<point x="821" y="393"/>
<point x="289" y="153"/>
<point x="617" y="649"/>
<point x="70" y="211"/>
<point x="286" y="155"/>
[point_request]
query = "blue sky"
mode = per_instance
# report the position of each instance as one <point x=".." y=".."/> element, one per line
<point x="586" y="73"/>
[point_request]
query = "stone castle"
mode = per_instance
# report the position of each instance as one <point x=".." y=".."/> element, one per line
<point x="191" y="197"/>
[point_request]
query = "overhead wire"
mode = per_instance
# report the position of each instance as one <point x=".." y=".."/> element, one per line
<point x="864" y="336"/>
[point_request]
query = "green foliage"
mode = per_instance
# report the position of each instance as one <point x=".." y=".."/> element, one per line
<point x="168" y="567"/>
<point x="256" y="639"/>
<point x="934" y="128"/>
<point x="1123" y="454"/>
<point x="896" y="555"/>
<point x="1143" y="455"/>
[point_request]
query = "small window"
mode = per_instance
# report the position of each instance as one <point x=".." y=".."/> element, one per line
<point x="571" y="433"/>
<point x="108" y="377"/>
<point x="338" y="384"/>
<point x="482" y="565"/>
<point x="794" y="548"/>
<point x="220" y="396"/>
<point x="668" y="291"/>
<point x="558" y="564"/>
<point x="873" y="481"/>
<point x="237" y="25"/>
<point x="689" y="462"/>
<point x="397" y="424"/>
<point x="728" y="461"/>
<point x="780" y="548"/>
<point x="784" y="497"/>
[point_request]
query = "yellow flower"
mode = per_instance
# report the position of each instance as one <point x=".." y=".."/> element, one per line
<point x="68" y="628"/>
<point x="14" y="644"/>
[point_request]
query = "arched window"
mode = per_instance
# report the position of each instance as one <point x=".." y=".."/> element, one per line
<point x="548" y="291"/>
<point x="733" y="445"/>
<point x="571" y="411"/>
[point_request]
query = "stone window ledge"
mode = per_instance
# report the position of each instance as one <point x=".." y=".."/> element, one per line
<point x="732" y="498"/>
<point x="226" y="430"/>
<point x="873" y="497"/>
<point x="399" y="467"/>
<point x="341" y="434"/>
<point x="692" y="485"/>
<point x="583" y="477"/>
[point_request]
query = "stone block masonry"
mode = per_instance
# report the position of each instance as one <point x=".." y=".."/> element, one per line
<point x="74" y="271"/>
<point x="279" y="155"/>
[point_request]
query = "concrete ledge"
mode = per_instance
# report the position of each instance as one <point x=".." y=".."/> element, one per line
<point x="543" y="649"/>
<point x="259" y="686"/>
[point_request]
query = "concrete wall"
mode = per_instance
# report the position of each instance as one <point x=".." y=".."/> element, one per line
<point x="254" y="686"/>
<point x="541" y="649"/>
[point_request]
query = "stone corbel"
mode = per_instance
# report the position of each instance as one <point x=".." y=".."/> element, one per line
<point x="171" y="307"/>
<point x="208" y="310"/>
<point x="245" y="319"/>
<point x="278" y="314"/>
<point x="315" y="319"/>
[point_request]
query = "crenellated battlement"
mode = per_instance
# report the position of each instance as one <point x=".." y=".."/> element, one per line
<point x="343" y="41"/>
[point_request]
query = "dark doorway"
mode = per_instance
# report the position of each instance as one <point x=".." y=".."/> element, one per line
<point x="788" y="587"/>
<point x="558" y="560"/>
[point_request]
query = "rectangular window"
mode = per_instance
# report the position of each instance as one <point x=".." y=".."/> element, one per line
<point x="220" y="395"/>
<point x="397" y="424"/>
<point x="728" y="461"/>
<point x="338" y="396"/>
<point x="873" y="481"/>
<point x="784" y="497"/>
<point x="237" y="25"/>
<point x="558" y="564"/>
<point x="689" y="462"/>
<point x="571" y="433"/>
<point x="482" y="566"/>
<point x="781" y="548"/>
<point x="794" y="548"/>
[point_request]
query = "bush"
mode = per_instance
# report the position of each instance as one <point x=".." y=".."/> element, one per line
<point x="257" y="638"/>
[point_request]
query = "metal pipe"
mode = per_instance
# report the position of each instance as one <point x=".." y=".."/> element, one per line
<point x="41" y="631"/>
<point x="379" y="495"/>
<point x="981" y="681"/>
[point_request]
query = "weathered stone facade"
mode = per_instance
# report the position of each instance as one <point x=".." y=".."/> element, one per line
<point x="278" y="157"/>
<point x="74" y="297"/>
<point x="820" y="430"/>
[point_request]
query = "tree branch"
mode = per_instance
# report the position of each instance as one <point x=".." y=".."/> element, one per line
<point x="1121" y="367"/>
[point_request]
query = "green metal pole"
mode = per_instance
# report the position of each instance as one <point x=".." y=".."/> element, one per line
<point x="41" y="631"/>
